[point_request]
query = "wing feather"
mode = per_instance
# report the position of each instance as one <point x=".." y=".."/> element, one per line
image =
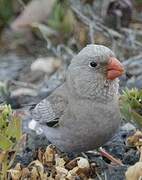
<point x="49" y="110"/>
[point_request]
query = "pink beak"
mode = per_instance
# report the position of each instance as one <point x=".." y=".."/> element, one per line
<point x="114" y="69"/>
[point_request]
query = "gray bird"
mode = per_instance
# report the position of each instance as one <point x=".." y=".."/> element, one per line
<point x="83" y="113"/>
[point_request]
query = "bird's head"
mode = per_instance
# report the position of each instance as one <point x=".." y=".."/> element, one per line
<point x="94" y="72"/>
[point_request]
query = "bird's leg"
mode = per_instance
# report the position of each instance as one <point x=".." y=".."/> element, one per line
<point x="110" y="157"/>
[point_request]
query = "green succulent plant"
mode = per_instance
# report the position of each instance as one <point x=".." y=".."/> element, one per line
<point x="131" y="105"/>
<point x="10" y="136"/>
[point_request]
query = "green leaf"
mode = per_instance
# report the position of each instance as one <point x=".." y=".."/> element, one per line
<point x="68" y="22"/>
<point x="14" y="128"/>
<point x="62" y="18"/>
<point x="137" y="118"/>
<point x="131" y="105"/>
<point x="126" y="111"/>
<point x="7" y="111"/>
<point x="2" y="123"/>
<point x="5" y="143"/>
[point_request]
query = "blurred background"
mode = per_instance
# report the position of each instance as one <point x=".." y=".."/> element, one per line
<point x="38" y="39"/>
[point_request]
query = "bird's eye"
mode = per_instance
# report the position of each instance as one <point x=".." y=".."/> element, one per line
<point x="92" y="64"/>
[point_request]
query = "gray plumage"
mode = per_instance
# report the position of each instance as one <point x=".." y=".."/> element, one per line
<point x="84" y="110"/>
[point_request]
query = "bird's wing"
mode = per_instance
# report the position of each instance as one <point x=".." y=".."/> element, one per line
<point x="49" y="110"/>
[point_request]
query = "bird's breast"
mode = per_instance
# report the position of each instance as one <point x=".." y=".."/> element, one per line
<point x="95" y="117"/>
<point x="88" y="125"/>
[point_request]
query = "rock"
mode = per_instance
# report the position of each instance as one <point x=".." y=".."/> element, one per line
<point x="134" y="82"/>
<point x="131" y="82"/>
<point x="138" y="82"/>
<point x="23" y="92"/>
<point x="11" y="65"/>
<point x="35" y="11"/>
<point x="47" y="65"/>
<point x="131" y="157"/>
<point x="133" y="65"/>
<point x="117" y="146"/>
<point x="133" y="68"/>
<point x="116" y="173"/>
<point x="128" y="127"/>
